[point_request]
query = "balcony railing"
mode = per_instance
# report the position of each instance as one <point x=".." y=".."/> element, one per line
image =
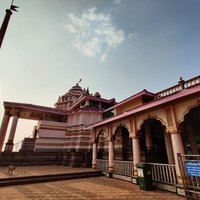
<point x="176" y="88"/>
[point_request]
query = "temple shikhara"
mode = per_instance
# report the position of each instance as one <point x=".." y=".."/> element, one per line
<point x="84" y="129"/>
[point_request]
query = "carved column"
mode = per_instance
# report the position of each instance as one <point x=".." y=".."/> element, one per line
<point x="4" y="126"/>
<point x="178" y="147"/>
<point x="9" y="144"/>
<point x="94" y="154"/>
<point x="169" y="149"/>
<point x="136" y="153"/>
<point x="111" y="155"/>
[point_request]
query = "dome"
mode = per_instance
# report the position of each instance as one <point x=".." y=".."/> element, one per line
<point x="66" y="100"/>
<point x="75" y="89"/>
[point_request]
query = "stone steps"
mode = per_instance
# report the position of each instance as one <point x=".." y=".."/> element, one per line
<point x="47" y="178"/>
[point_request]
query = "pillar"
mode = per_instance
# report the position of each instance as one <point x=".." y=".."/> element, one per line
<point x="4" y="127"/>
<point x="148" y="138"/>
<point x="111" y="155"/>
<point x="94" y="155"/>
<point x="169" y="149"/>
<point x="136" y="153"/>
<point x="9" y="144"/>
<point x="178" y="147"/>
<point x="191" y="137"/>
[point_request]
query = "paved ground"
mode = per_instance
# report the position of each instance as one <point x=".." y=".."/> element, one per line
<point x="88" y="188"/>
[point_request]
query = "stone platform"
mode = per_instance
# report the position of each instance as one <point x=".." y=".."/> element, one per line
<point x="88" y="188"/>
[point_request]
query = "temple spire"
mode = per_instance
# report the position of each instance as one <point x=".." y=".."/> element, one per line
<point x="6" y="21"/>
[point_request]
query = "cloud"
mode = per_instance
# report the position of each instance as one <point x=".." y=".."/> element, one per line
<point x="95" y="34"/>
<point x="132" y="36"/>
<point x="116" y="1"/>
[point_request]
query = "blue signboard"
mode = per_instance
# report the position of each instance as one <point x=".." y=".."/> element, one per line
<point x="192" y="168"/>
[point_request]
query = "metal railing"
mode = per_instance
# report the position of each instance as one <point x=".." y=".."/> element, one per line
<point x="102" y="164"/>
<point x="123" y="167"/>
<point x="164" y="173"/>
<point x="120" y="167"/>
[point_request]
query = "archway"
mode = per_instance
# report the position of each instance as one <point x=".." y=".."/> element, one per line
<point x="122" y="144"/>
<point x="152" y="142"/>
<point x="102" y="146"/>
<point x="191" y="131"/>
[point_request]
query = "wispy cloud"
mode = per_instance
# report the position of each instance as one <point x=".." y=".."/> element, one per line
<point x="95" y="34"/>
<point x="116" y="1"/>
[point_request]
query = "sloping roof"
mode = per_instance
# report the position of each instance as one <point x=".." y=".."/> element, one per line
<point x="34" y="107"/>
<point x="156" y="103"/>
<point x="131" y="98"/>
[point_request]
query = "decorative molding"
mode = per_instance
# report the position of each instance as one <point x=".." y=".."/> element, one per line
<point x="187" y="110"/>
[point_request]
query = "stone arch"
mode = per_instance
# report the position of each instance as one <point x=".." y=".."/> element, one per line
<point x="102" y="144"/>
<point x="190" y="129"/>
<point x="122" y="124"/>
<point x="152" y="141"/>
<point x="102" y="131"/>
<point x="187" y="110"/>
<point x="147" y="117"/>
<point x="122" y="144"/>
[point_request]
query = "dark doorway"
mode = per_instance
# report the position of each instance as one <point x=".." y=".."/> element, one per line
<point x="123" y="145"/>
<point x="157" y="153"/>
<point x="191" y="131"/>
<point x="102" y="147"/>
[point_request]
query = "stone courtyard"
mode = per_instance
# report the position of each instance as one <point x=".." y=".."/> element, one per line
<point x="86" y="188"/>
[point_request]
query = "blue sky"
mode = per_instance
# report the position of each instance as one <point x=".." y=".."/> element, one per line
<point x="118" y="47"/>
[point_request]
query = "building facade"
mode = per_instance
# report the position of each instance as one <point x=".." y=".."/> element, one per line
<point x="153" y="128"/>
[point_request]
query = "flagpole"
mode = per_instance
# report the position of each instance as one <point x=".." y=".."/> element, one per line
<point x="6" y="21"/>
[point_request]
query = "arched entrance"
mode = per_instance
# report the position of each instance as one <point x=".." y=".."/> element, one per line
<point x="102" y="146"/>
<point x="191" y="131"/>
<point x="152" y="142"/>
<point x="122" y="144"/>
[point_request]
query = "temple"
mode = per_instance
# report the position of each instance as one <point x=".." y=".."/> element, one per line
<point x="59" y="129"/>
<point x="146" y="127"/>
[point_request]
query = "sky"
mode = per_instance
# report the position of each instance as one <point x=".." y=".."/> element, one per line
<point x="117" y="47"/>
